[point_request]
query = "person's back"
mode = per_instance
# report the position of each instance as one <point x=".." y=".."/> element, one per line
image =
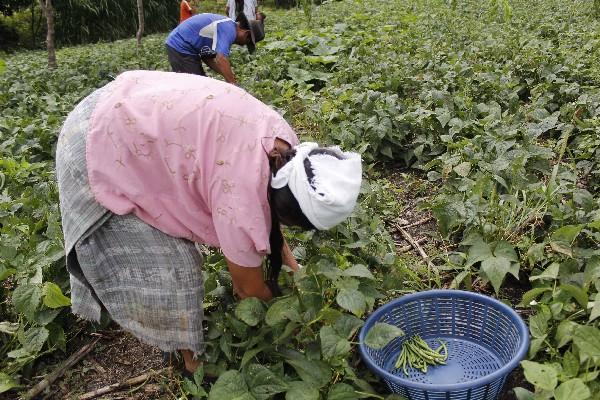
<point x="201" y="31"/>
<point x="180" y="148"/>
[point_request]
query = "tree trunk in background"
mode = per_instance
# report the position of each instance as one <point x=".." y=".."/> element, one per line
<point x="48" y="10"/>
<point x="33" y="24"/>
<point x="140" y="32"/>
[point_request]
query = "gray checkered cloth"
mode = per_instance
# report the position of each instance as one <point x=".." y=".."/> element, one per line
<point x="149" y="282"/>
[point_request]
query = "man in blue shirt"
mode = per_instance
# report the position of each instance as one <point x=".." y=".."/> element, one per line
<point x="208" y="38"/>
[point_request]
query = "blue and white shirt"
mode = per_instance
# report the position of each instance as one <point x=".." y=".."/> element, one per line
<point x="203" y="34"/>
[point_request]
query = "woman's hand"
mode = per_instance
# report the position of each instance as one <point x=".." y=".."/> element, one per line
<point x="288" y="258"/>
<point x="248" y="281"/>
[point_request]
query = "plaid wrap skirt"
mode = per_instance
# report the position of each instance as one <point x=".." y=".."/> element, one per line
<point x="150" y="283"/>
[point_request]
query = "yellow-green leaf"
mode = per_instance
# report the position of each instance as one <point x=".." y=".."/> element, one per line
<point x="53" y="296"/>
<point x="6" y="382"/>
<point x="381" y="334"/>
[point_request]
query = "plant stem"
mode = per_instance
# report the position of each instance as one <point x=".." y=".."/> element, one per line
<point x="370" y="395"/>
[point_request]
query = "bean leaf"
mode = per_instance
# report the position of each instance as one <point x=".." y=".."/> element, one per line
<point x="332" y="344"/>
<point x="250" y="310"/>
<point x="530" y="295"/>
<point x="572" y="389"/>
<point x="479" y="251"/>
<point x="35" y="338"/>
<point x="352" y="300"/>
<point x="281" y="310"/>
<point x="538" y="325"/>
<point x="565" y="332"/>
<point x="53" y="296"/>
<point x="6" y="272"/>
<point x="9" y="327"/>
<point x="381" y="334"/>
<point x="541" y="375"/>
<point x="549" y="273"/>
<point x="6" y="382"/>
<point x="570" y="365"/>
<point x="495" y="269"/>
<point x="232" y="386"/>
<point x="341" y="391"/>
<point x="523" y="394"/>
<point x="263" y="382"/>
<point x="595" y="308"/>
<point x="26" y="299"/>
<point x="358" y="270"/>
<point x="314" y="372"/>
<point x="587" y="340"/>
<point x="577" y="293"/>
<point x="346" y="325"/>
<point x="300" y="390"/>
<point x="562" y="239"/>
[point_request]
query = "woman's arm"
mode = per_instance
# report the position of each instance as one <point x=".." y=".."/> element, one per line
<point x="288" y="257"/>
<point x="248" y="281"/>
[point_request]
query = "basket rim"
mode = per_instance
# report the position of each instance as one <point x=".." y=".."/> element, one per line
<point x="484" y="380"/>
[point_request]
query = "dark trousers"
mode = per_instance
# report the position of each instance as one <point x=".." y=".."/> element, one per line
<point x="185" y="63"/>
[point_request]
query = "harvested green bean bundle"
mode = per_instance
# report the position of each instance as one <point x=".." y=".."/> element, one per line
<point x="417" y="354"/>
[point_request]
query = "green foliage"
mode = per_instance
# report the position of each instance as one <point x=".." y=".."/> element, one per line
<point x="381" y="334"/>
<point x="501" y="9"/>
<point x="86" y="21"/>
<point x="309" y="329"/>
<point x="195" y="388"/>
<point x="308" y="8"/>
<point x="8" y="7"/>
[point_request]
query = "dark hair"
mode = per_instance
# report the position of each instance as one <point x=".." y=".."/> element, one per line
<point x="239" y="9"/>
<point x="285" y="209"/>
<point x="243" y="20"/>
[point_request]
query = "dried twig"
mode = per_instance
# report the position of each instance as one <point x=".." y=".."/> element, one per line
<point x="97" y="366"/>
<point x="129" y="382"/>
<point x="419" y="222"/>
<point x="416" y="245"/>
<point x="406" y="248"/>
<point x="98" y="334"/>
<point x="58" y="372"/>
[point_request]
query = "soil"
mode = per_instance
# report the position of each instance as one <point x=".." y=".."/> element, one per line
<point x="515" y="379"/>
<point x="116" y="357"/>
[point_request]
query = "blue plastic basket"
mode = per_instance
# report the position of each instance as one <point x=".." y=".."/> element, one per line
<point x="485" y="338"/>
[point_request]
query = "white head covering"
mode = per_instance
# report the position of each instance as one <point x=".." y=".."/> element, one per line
<point x="336" y="184"/>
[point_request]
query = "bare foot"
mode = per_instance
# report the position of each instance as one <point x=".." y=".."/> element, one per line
<point x="191" y="363"/>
